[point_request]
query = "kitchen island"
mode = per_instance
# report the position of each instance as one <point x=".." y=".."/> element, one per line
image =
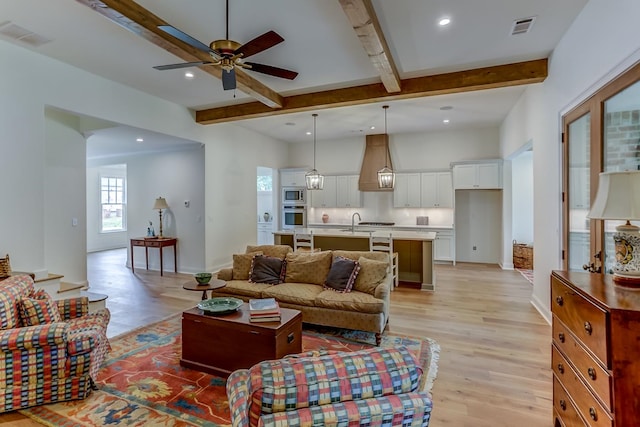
<point x="414" y="248"/>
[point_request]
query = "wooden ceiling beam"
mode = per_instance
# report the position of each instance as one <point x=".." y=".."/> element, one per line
<point x="133" y="17"/>
<point x="520" y="73"/>
<point x="364" y="21"/>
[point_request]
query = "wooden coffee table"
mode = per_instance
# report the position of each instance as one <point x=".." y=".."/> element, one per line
<point x="223" y="343"/>
<point x="193" y="285"/>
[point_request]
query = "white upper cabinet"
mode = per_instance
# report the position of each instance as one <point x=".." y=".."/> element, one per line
<point x="437" y="190"/>
<point x="477" y="176"/>
<point x="347" y="193"/>
<point x="325" y="198"/>
<point x="406" y="193"/>
<point x="292" y="179"/>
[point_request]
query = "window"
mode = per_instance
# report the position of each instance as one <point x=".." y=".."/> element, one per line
<point x="265" y="183"/>
<point x="113" y="204"/>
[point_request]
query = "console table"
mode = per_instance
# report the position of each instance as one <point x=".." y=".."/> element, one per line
<point x="158" y="242"/>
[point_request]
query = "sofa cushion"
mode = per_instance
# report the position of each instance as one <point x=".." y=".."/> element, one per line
<point x="371" y="274"/>
<point x="353" y="301"/>
<point x="242" y="265"/>
<point x="356" y="255"/>
<point x="39" y="310"/>
<point x="245" y="288"/>
<point x="294" y="293"/>
<point x="278" y="251"/>
<point x="267" y="269"/>
<point x="12" y="290"/>
<point x="342" y="274"/>
<point x="308" y="267"/>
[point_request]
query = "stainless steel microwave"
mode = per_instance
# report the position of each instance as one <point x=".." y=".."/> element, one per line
<point x="294" y="196"/>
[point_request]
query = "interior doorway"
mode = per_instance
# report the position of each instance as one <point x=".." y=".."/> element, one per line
<point x="265" y="203"/>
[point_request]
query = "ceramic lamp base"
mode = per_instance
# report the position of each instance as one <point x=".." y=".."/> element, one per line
<point x="626" y="270"/>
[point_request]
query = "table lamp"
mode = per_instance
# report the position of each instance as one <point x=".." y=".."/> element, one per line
<point x="618" y="198"/>
<point x="161" y="203"/>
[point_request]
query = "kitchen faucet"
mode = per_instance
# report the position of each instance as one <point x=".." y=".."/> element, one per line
<point x="353" y="219"/>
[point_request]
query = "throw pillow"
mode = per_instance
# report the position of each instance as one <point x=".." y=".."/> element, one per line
<point x="308" y="267"/>
<point x="370" y="275"/>
<point x="266" y="269"/>
<point x="39" y="309"/>
<point x="242" y="265"/>
<point x="5" y="267"/>
<point x="342" y="275"/>
<point x="278" y="251"/>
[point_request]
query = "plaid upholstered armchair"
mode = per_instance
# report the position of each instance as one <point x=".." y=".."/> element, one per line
<point x="50" y="351"/>
<point x="374" y="387"/>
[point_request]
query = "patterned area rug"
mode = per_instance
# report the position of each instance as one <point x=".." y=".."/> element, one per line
<point x="143" y="384"/>
<point x="527" y="274"/>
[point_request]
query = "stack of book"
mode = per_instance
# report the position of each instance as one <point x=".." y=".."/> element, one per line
<point x="264" y="310"/>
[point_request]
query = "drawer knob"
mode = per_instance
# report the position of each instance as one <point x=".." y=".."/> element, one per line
<point x="559" y="300"/>
<point x="592" y="373"/>
<point x="563" y="404"/>
<point x="561" y="337"/>
<point x="593" y="414"/>
<point x="560" y="368"/>
<point x="588" y="328"/>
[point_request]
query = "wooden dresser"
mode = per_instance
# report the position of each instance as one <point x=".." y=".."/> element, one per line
<point x="595" y="351"/>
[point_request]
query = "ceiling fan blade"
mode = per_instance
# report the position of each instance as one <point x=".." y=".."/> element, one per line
<point x="185" y="38"/>
<point x="260" y="43"/>
<point x="181" y="65"/>
<point x="229" y="79"/>
<point x="272" y="71"/>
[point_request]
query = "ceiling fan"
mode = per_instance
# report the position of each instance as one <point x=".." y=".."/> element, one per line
<point x="229" y="54"/>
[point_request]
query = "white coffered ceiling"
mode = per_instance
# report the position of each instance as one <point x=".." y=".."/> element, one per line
<point x="321" y="45"/>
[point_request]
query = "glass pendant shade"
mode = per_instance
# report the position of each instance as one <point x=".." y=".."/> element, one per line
<point x="313" y="179"/>
<point x="386" y="175"/>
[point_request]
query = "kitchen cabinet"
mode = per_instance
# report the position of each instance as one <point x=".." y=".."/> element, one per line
<point x="436" y="190"/>
<point x="347" y="193"/>
<point x="406" y="193"/>
<point x="327" y="197"/>
<point x="265" y="236"/>
<point x="444" y="249"/>
<point x="477" y="176"/>
<point x="292" y="179"/>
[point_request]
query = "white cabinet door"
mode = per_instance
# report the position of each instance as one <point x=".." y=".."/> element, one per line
<point x="443" y="246"/>
<point x="437" y="190"/>
<point x="292" y="179"/>
<point x="347" y="193"/>
<point x="325" y="198"/>
<point x="477" y="176"/>
<point x="406" y="193"/>
<point x="265" y="236"/>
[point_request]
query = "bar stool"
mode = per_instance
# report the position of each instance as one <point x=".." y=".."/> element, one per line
<point x="303" y="241"/>
<point x="385" y="244"/>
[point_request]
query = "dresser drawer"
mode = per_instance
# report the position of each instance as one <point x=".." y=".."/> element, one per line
<point x="585" y="402"/>
<point x="593" y="374"/>
<point x="563" y="407"/>
<point x="588" y="322"/>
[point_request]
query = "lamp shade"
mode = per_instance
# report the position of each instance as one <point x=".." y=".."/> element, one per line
<point x="161" y="203"/>
<point x="618" y="196"/>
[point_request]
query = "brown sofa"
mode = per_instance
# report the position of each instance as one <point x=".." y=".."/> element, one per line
<point x="365" y="307"/>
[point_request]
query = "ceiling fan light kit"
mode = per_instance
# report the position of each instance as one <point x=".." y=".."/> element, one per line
<point x="313" y="179"/>
<point x="229" y="54"/>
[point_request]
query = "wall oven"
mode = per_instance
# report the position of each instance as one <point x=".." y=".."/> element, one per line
<point x="294" y="196"/>
<point x="294" y="216"/>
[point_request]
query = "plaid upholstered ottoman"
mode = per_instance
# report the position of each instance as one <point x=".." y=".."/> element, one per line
<point x="373" y="387"/>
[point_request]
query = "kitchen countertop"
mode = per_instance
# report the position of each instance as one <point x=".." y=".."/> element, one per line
<point x="395" y="234"/>
<point x="381" y="227"/>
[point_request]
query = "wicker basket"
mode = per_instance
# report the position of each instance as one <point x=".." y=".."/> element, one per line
<point x="522" y="256"/>
<point x="5" y="267"/>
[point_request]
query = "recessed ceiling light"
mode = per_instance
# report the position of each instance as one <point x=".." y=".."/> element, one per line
<point x="445" y="121"/>
<point x="372" y="127"/>
<point x="308" y="132"/>
<point x="444" y="21"/>
<point x="446" y="107"/>
<point x="139" y="139"/>
<point x="188" y="75"/>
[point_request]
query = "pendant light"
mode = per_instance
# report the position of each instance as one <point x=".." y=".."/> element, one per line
<point x="386" y="176"/>
<point x="314" y="180"/>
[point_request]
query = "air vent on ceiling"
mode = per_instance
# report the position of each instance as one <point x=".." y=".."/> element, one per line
<point x="521" y="26"/>
<point x="16" y="32"/>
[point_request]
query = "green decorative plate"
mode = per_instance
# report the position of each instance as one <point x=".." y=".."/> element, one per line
<point x="220" y="305"/>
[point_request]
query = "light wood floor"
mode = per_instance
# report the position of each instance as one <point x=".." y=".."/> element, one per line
<point x="494" y="367"/>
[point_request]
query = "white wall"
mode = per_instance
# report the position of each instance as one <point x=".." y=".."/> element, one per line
<point x="478" y="219"/>
<point x="30" y="82"/>
<point x="603" y="41"/>
<point x="96" y="240"/>
<point x="522" y="197"/>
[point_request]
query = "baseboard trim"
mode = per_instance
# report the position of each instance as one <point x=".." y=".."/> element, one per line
<point x="544" y="312"/>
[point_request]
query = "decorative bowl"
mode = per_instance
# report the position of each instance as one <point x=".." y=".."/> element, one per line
<point x="203" y="278"/>
<point x="220" y="305"/>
